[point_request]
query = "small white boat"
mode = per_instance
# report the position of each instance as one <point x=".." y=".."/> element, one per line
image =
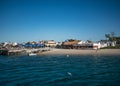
<point x="32" y="54"/>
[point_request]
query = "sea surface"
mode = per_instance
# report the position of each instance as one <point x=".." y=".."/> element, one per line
<point x="60" y="70"/>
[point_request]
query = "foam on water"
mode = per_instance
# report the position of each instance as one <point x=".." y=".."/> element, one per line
<point x="69" y="73"/>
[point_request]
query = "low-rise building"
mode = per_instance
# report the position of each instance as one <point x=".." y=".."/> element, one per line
<point x="50" y="43"/>
<point x="85" y="45"/>
<point x="69" y="44"/>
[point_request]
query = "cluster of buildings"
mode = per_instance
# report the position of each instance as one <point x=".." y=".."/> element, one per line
<point x="76" y="44"/>
<point x="40" y="44"/>
<point x="67" y="44"/>
<point x="30" y="48"/>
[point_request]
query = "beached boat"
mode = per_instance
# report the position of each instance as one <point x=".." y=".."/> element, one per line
<point x="32" y="54"/>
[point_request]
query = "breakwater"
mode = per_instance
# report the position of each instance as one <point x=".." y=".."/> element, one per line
<point x="11" y="52"/>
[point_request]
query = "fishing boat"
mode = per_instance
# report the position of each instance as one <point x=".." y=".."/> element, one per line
<point x="32" y="54"/>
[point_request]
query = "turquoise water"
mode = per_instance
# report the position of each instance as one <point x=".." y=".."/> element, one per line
<point x="60" y="71"/>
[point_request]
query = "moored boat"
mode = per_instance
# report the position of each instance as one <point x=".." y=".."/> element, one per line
<point x="32" y="54"/>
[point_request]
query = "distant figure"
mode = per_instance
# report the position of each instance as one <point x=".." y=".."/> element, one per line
<point x="96" y="50"/>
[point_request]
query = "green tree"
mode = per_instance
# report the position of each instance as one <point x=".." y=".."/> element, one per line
<point x="111" y="36"/>
<point x="70" y="40"/>
<point x="117" y="40"/>
<point x="107" y="36"/>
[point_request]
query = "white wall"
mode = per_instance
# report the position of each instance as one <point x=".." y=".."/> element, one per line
<point x="96" y="44"/>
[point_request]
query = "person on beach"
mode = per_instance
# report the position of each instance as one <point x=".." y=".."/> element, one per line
<point x="96" y="50"/>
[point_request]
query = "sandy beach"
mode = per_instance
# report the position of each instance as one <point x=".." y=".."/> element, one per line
<point x="81" y="52"/>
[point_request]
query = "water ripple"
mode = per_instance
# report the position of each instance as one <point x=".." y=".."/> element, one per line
<point x="60" y="71"/>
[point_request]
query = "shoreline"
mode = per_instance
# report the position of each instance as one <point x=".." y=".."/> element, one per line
<point x="81" y="52"/>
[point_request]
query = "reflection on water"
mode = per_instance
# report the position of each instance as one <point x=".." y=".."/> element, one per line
<point x="60" y="70"/>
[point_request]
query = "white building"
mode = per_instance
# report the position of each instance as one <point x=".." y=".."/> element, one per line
<point x="81" y="42"/>
<point x="5" y="44"/>
<point x="96" y="46"/>
<point x="51" y="43"/>
<point x="15" y="43"/>
<point x="86" y="45"/>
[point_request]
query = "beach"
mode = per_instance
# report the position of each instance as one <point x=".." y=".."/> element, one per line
<point x="81" y="52"/>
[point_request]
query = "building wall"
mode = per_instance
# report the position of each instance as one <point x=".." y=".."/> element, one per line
<point x="50" y="45"/>
<point x="103" y="45"/>
<point x="96" y="45"/>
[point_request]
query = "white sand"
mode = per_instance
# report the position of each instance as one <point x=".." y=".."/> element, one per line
<point x="81" y="52"/>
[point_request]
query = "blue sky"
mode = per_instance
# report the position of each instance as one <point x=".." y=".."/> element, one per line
<point x="34" y="20"/>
